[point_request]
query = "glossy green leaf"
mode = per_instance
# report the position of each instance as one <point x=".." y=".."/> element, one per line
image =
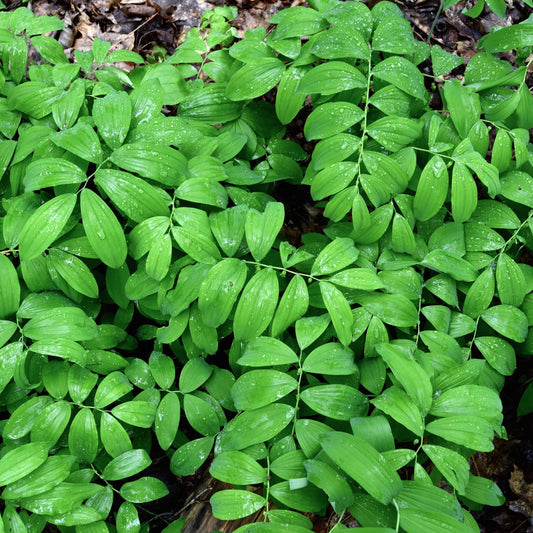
<point x="9" y="288"/>
<point x="363" y="464"/>
<point x="83" y="436"/>
<point x="21" y="461"/>
<point x="255" y="78"/>
<point x="127" y="464"/>
<point x="480" y="294"/>
<point x="431" y="190"/>
<point x="463" y="105"/>
<point x="401" y="73"/>
<point x="135" y="197"/>
<point x="198" y="246"/>
<point x="82" y="141"/>
<point x="188" y="458"/>
<point x="234" y="504"/>
<point x="293" y="304"/>
<point x="515" y="36"/>
<point x="510" y="281"/>
<point x="113" y="435"/>
<point x="51" y="423"/>
<point x="111" y="388"/>
<point x="237" y="468"/>
<point x="336" y="401"/>
<point x="463" y="193"/>
<point x="255" y="426"/>
<point x="414" y="520"/>
<point x="331" y="359"/>
<point x="484" y="491"/>
<point x="499" y="354"/>
<point x="337" y="255"/>
<point x="288" y="101"/>
<point x="339" y="311"/>
<point x="451" y="264"/>
<point x="144" y="489"/>
<point x="50" y="172"/>
<point x="112" y="116"/>
<point x="470" y="431"/>
<point x="357" y="278"/>
<point x="45" y="225"/>
<point x="340" y="42"/>
<point x="103" y="229"/>
<point x="74" y="272"/>
<point x="261" y="229"/>
<point x="331" y="77"/>
<point x="228" y="228"/>
<point x="333" y="179"/>
<point x="127" y="520"/>
<point x="68" y="322"/>
<point x="258" y="388"/>
<point x="256" y="305"/>
<point x="135" y="413"/>
<point x="302" y="497"/>
<point x="507" y="321"/>
<point x="167" y="418"/>
<point x="453" y="466"/>
<point x="331" y="118"/>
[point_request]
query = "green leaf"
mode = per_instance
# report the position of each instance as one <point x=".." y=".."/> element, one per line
<point x="201" y="415"/>
<point x="234" y="504"/>
<point x="197" y="245"/>
<point x="112" y="116"/>
<point x="394" y="35"/>
<point x="188" y="458"/>
<point x="502" y="152"/>
<point x="261" y="229"/>
<point x="331" y="118"/>
<point x="127" y="519"/>
<point x="308" y="329"/>
<point x="463" y="193"/>
<point x="51" y="172"/>
<point x="159" y="258"/>
<point x="469" y="400"/>
<point x="507" y="321"/>
<point x="293" y="304"/>
<point x="480" y="294"/>
<point x="336" y="401"/>
<point x="331" y="359"/>
<point x="484" y="491"/>
<point x="499" y="354"/>
<point x="509" y="38"/>
<point x="337" y="255"/>
<point x="74" y="272"/>
<point x="339" y="311"/>
<point x="415" y="520"/>
<point x="338" y="43"/>
<point x="266" y="351"/>
<point x="453" y="466"/>
<point x="210" y="104"/>
<point x="288" y="101"/>
<point x="9" y="289"/>
<point x="68" y="322"/>
<point x="237" y="468"/>
<point x="194" y="374"/>
<point x="518" y="187"/>
<point x="394" y="309"/>
<point x="470" y="431"/>
<point x="333" y="179"/>
<point x="296" y="21"/>
<point x="114" y="437"/>
<point x="449" y="263"/>
<point x="7" y="328"/>
<point x="80" y="140"/>
<point x="255" y="79"/>
<point x="103" y="229"/>
<point x="52" y="472"/>
<point x="255" y="426"/>
<point x="111" y="388"/>
<point x="290" y="465"/>
<point x="154" y="161"/>
<point x="327" y="478"/>
<point x="402" y="74"/>
<point x="258" y="388"/>
<point x="306" y="498"/>
<point x="83" y="436"/>
<point x="394" y="132"/>
<point x="357" y="278"/>
<point x="167" y="418"/>
<point x="44" y="226"/>
<point x="443" y="61"/>
<point x="363" y="464"/>
<point x="463" y="105"/>
<point x="367" y="231"/>
<point x="331" y="77"/>
<point x="21" y="461"/>
<point x="33" y="98"/>
<point x="431" y="190"/>
<point x="510" y="281"/>
<point x="136" y="413"/>
<point x="51" y="423"/>
<point x="144" y="489"/>
<point x="203" y="191"/>
<point x="127" y="464"/>
<point x="134" y="196"/>
<point x="256" y="305"/>
<point x="399" y="406"/>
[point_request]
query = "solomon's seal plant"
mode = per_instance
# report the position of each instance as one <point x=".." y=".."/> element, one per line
<point x="146" y="296"/>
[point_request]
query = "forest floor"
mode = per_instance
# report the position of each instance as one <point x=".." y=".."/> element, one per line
<point x="157" y="27"/>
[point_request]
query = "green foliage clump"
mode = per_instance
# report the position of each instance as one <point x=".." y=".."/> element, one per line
<point x="147" y="297"/>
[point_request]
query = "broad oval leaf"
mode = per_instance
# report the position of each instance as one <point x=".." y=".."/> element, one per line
<point x="255" y="78"/>
<point x="127" y="464"/>
<point x="83" y="436"/>
<point x="167" y="418"/>
<point x="112" y="116"/>
<point x="9" y="290"/>
<point x="261" y="229"/>
<point x="338" y="254"/>
<point x="331" y="118"/>
<point x="190" y="456"/>
<point x="331" y="359"/>
<point x="51" y="172"/>
<point x="234" y="504"/>
<point x="363" y="464"/>
<point x="21" y="461"/>
<point x="293" y="304"/>
<point x="331" y="77"/>
<point x="431" y="190"/>
<point x="339" y="311"/>
<point x="470" y="431"/>
<point x="256" y="306"/>
<point x="336" y="401"/>
<point x="103" y="229"/>
<point x="237" y="468"/>
<point x="144" y="489"/>
<point x="507" y="321"/>
<point x="45" y="225"/>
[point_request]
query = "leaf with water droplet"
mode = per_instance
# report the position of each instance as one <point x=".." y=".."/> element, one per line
<point x="103" y="229"/>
